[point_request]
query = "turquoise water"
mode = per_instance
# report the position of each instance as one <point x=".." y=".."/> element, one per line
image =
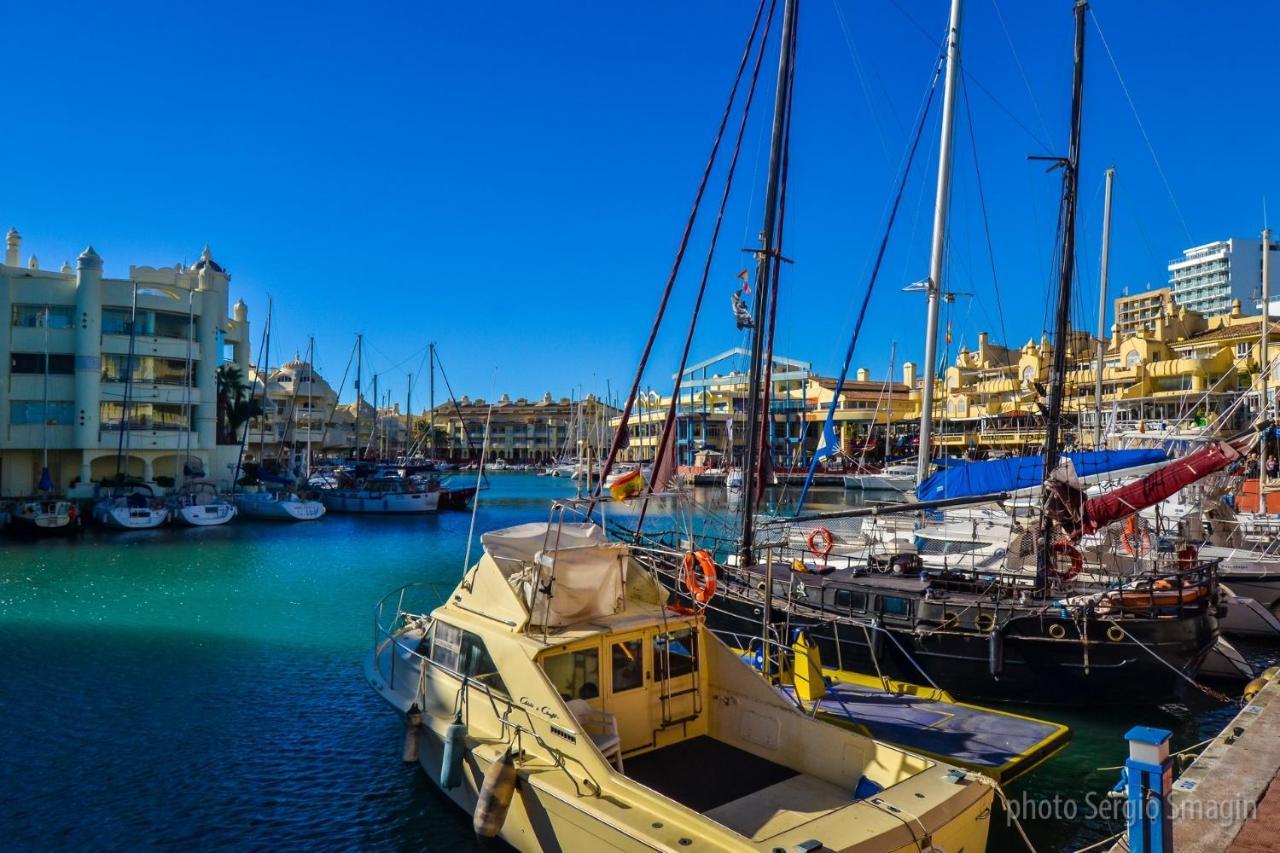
<point x="204" y="687"/>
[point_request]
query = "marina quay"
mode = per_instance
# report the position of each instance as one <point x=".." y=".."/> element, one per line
<point x="740" y="427"/>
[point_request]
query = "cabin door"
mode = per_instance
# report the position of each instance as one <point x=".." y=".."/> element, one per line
<point x="630" y="672"/>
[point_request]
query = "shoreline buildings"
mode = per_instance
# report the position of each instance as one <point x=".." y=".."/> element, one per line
<point x="184" y="330"/>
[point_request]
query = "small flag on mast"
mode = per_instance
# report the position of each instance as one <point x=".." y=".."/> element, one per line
<point x="746" y="284"/>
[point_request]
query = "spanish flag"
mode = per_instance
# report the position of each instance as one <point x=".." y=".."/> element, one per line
<point x="627" y="486"/>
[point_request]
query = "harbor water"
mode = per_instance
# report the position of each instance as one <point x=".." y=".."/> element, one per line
<point x="203" y="687"/>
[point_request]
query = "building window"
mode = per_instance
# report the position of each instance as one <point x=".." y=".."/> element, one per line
<point x="158" y="371"/>
<point x="146" y="416"/>
<point x="1242" y="350"/>
<point x="33" y="316"/>
<point x="159" y="324"/>
<point x="33" y="362"/>
<point x="31" y="412"/>
<point x="1132" y="359"/>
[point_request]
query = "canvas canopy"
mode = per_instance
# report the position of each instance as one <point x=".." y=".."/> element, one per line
<point x="523" y="542"/>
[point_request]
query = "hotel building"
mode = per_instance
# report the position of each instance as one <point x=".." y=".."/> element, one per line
<point x="86" y="324"/>
<point x="1210" y="277"/>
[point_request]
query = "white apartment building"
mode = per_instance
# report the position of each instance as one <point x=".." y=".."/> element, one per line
<point x="1207" y="278"/>
<point x="85" y="324"/>
<point x="300" y="411"/>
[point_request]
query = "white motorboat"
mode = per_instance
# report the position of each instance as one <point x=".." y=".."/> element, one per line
<point x="132" y="506"/>
<point x="198" y="504"/>
<point x="46" y="517"/>
<point x="900" y="477"/>
<point x="383" y="496"/>
<point x="278" y="506"/>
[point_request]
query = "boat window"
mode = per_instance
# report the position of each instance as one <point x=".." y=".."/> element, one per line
<point x="628" y="665"/>
<point x="464" y="653"/>
<point x="575" y="675"/>
<point x="847" y="599"/>
<point x="675" y="654"/>
<point x="891" y="606"/>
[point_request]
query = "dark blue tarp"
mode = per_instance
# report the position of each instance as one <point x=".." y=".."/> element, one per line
<point x="962" y="479"/>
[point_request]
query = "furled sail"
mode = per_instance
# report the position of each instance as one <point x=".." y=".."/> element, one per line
<point x="1078" y="516"/>
<point x="961" y="479"/>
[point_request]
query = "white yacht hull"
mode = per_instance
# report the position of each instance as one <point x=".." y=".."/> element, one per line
<point x="251" y="506"/>
<point x="206" y="515"/>
<point x="130" y="518"/>
<point x="879" y="482"/>
<point x="416" y="503"/>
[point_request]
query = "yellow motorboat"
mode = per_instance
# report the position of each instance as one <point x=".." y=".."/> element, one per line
<point x="561" y="700"/>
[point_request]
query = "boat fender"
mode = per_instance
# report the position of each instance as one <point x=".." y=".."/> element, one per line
<point x="1253" y="688"/>
<point x="455" y="747"/>
<point x="495" y="796"/>
<point x="995" y="654"/>
<point x="412" y="732"/>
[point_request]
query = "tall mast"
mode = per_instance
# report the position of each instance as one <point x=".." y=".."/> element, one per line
<point x="765" y="257"/>
<point x="1102" y="305"/>
<point x="265" y="373"/>
<point x="1264" y="354"/>
<point x="44" y="408"/>
<point x="311" y="356"/>
<point x="431" y="404"/>
<point x="359" y="391"/>
<point x="937" y="251"/>
<point x="408" y="415"/>
<point x="1070" y="186"/>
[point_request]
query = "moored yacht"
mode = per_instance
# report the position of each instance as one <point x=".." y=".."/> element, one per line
<point x="603" y="718"/>
<point x="278" y="506"/>
<point x="387" y="495"/>
<point x="198" y="504"/>
<point x="129" y="506"/>
<point x="898" y="477"/>
<point x="45" y="517"/>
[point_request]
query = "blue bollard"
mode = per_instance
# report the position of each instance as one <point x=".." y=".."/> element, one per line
<point x="1149" y="771"/>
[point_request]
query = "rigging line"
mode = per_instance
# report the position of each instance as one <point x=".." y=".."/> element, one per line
<point x="333" y="410"/>
<point x="1013" y="51"/>
<point x="942" y="46"/>
<point x="1168" y="188"/>
<point x="875" y="273"/>
<point x="621" y="432"/>
<point x="862" y="81"/>
<point x="982" y="204"/>
<point x="671" y="421"/>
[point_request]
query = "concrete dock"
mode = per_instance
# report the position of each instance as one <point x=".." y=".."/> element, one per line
<point x="1229" y="797"/>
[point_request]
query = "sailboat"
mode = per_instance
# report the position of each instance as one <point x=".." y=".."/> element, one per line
<point x="272" y="504"/>
<point x="199" y="504"/>
<point x="980" y="632"/>
<point x="46" y="514"/>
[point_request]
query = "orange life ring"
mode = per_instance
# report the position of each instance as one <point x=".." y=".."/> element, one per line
<point x="1063" y="547"/>
<point x="828" y="542"/>
<point x="1187" y="555"/>
<point x="700" y="588"/>
<point x="1138" y="544"/>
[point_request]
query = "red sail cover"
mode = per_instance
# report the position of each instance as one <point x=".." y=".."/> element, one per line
<point x="1150" y="490"/>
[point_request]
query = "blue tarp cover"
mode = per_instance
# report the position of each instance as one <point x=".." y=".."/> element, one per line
<point x="962" y="479"/>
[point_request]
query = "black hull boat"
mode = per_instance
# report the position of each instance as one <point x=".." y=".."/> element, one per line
<point x="1140" y="646"/>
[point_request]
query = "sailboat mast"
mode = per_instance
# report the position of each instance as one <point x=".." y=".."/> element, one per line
<point x="264" y="372"/>
<point x="1264" y="343"/>
<point x="186" y="389"/>
<point x="1062" y="324"/>
<point x="1102" y="305"/>
<point x="359" y="391"/>
<point x="311" y="357"/>
<point x="44" y="408"/>
<point x="431" y="403"/>
<point x="937" y="251"/>
<point x="408" y="415"/>
<point x="765" y="257"/>
<point x="888" y="418"/>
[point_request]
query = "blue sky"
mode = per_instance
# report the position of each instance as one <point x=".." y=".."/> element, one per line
<point x="510" y="179"/>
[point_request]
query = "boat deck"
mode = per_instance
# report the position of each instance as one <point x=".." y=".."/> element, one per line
<point x="998" y="744"/>
<point x="703" y="773"/>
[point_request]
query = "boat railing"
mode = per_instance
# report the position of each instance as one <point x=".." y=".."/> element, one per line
<point x="390" y="630"/>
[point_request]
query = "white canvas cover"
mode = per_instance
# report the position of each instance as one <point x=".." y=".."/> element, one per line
<point x="524" y="541"/>
<point x="589" y="583"/>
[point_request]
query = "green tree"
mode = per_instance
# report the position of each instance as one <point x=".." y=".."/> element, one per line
<point x="235" y="403"/>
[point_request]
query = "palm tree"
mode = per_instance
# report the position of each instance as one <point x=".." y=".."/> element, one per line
<point x="235" y="403"/>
